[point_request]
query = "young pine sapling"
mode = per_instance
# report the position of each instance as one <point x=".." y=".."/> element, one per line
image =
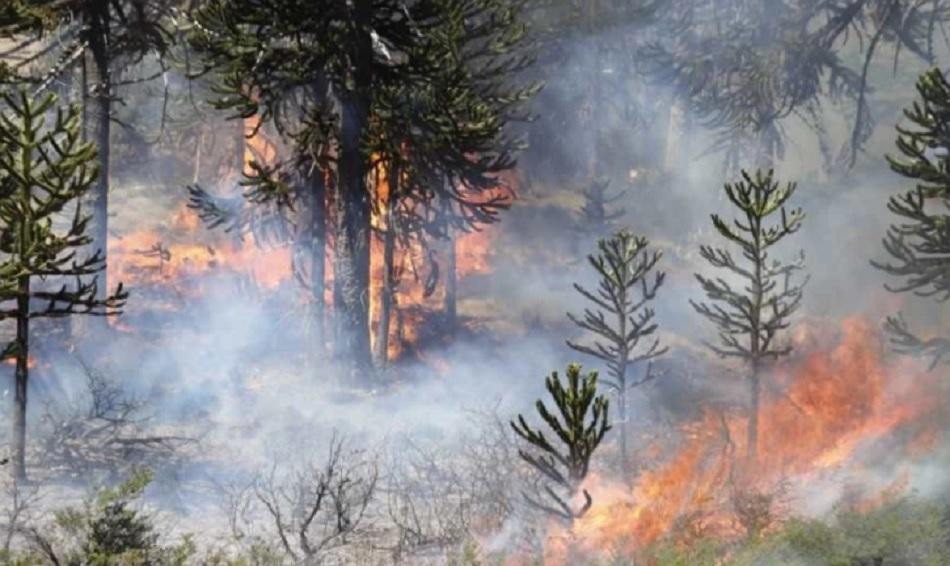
<point x="567" y="465"/>
<point x="620" y="318"/>
<point x="44" y="172"/>
<point x="750" y="312"/>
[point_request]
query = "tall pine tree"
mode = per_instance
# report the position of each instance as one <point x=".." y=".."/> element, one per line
<point x="751" y="311"/>
<point x="919" y="244"/>
<point x="44" y="172"/>
<point x="375" y="66"/>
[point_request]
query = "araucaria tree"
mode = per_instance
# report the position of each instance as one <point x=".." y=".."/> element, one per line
<point x="357" y="84"/>
<point x="598" y="216"/>
<point x="44" y="171"/>
<point x="757" y="301"/>
<point x="919" y="245"/>
<point x="566" y="466"/>
<point x="620" y="318"/>
<point x="107" y="39"/>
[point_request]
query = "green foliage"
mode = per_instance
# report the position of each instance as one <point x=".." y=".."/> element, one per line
<point x="439" y="83"/>
<point x="110" y="531"/>
<point x="900" y="532"/>
<point x="568" y="466"/>
<point x="46" y="170"/>
<point x="746" y="67"/>
<point x="597" y="215"/>
<point x="468" y="555"/>
<point x="699" y="553"/>
<point x="619" y="317"/>
<point x="21" y="16"/>
<point x="117" y="529"/>
<point x="750" y="317"/>
<point x="919" y="243"/>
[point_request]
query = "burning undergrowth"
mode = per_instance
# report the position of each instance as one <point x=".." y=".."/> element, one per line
<point x="218" y="342"/>
<point x="841" y="424"/>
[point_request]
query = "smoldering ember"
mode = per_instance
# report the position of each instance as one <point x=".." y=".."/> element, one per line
<point x="472" y="282"/>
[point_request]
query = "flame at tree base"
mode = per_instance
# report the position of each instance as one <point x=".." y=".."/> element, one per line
<point x="827" y="413"/>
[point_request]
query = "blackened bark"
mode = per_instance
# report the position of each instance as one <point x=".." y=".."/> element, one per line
<point x="100" y="93"/>
<point x="317" y="244"/>
<point x="389" y="276"/>
<point x="353" y="206"/>
<point x="451" y="284"/>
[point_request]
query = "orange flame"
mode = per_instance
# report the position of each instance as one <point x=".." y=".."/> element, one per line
<point x="173" y="256"/>
<point x="413" y="304"/>
<point x="833" y="403"/>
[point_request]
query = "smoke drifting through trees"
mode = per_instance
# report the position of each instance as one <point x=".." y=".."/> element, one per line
<point x="217" y="344"/>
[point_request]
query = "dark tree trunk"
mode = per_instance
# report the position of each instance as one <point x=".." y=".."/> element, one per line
<point x="100" y="91"/>
<point x="752" y="439"/>
<point x="389" y="276"/>
<point x="22" y="376"/>
<point x="451" y="283"/>
<point x="622" y="417"/>
<point x="317" y="245"/>
<point x="353" y="206"/>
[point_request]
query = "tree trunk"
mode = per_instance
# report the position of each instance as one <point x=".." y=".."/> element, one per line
<point x="622" y="415"/>
<point x="22" y="376"/>
<point x="318" y="253"/>
<point x="451" y="283"/>
<point x="100" y="125"/>
<point x="351" y="260"/>
<point x="389" y="283"/>
<point x="755" y="346"/>
<point x="752" y="440"/>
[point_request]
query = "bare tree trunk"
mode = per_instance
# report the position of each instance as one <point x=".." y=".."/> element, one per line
<point x="22" y="376"/>
<point x="196" y="172"/>
<point x="389" y="282"/>
<point x="622" y="415"/>
<point x="676" y="153"/>
<point x="752" y="439"/>
<point x="100" y="81"/>
<point x="318" y="252"/>
<point x="352" y="268"/>
<point x="451" y="283"/>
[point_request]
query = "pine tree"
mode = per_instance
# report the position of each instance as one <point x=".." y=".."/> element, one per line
<point x="44" y="171"/>
<point x="749" y="318"/>
<point x="597" y="216"/>
<point x="745" y="67"/>
<point x="919" y="245"/>
<point x="110" y="35"/>
<point x="620" y="318"/>
<point x="566" y="466"/>
<point x="430" y="76"/>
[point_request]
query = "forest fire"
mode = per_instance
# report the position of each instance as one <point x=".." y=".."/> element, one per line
<point x="474" y="282"/>
<point x="142" y="258"/>
<point x="421" y="272"/>
<point x="826" y="408"/>
<point x="180" y="254"/>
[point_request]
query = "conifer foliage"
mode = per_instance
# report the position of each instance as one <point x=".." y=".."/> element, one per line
<point x="567" y="465"/>
<point x="751" y="312"/>
<point x="598" y="215"/>
<point x="619" y="317"/>
<point x="919" y="245"/>
<point x="44" y="171"/>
